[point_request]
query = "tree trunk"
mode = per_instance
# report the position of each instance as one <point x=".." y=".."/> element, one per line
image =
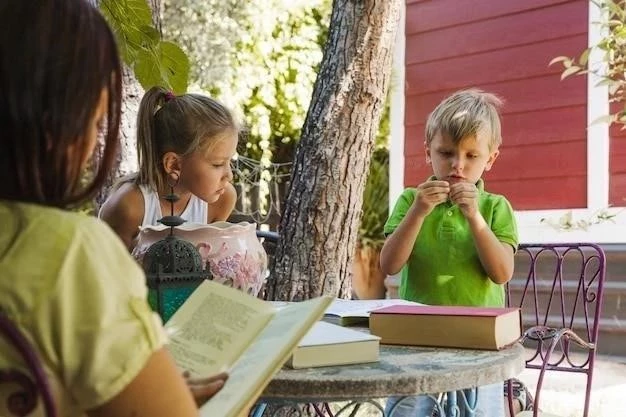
<point x="155" y="5"/>
<point x="319" y="225"/>
<point x="131" y="96"/>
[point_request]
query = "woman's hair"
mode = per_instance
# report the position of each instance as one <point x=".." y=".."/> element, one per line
<point x="56" y="58"/>
<point x="180" y="124"/>
<point x="464" y="114"/>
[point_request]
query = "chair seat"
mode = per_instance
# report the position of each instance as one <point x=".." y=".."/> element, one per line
<point x="529" y="413"/>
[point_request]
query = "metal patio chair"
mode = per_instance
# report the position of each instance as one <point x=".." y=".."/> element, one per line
<point x="561" y="300"/>
<point x="26" y="386"/>
<point x="269" y="240"/>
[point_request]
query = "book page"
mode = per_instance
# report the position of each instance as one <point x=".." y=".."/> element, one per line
<point x="265" y="357"/>
<point x="323" y="333"/>
<point x="213" y="327"/>
<point x="362" y="308"/>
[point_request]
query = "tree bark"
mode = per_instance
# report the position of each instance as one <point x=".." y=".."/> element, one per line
<point x="155" y="5"/>
<point x="319" y="225"/>
<point x="126" y="162"/>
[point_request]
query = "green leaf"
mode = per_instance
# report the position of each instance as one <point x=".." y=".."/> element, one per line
<point x="116" y="26"/>
<point x="608" y="118"/>
<point x="131" y="21"/>
<point x="570" y="71"/>
<point x="149" y="34"/>
<point x="166" y="65"/>
<point x="147" y="69"/>
<point x="559" y="59"/>
<point x="174" y="66"/>
<point x="614" y="88"/>
<point x="603" y="82"/>
<point x="614" y="8"/>
<point x="136" y="11"/>
<point x="153" y="61"/>
<point x="584" y="57"/>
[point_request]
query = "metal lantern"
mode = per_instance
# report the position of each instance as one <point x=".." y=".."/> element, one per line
<point x="173" y="268"/>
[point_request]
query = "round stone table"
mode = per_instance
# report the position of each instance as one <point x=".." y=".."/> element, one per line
<point x="401" y="371"/>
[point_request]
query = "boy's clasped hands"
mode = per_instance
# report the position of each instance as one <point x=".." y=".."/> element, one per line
<point x="434" y="192"/>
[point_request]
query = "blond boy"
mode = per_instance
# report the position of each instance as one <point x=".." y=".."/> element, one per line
<point x="454" y="241"/>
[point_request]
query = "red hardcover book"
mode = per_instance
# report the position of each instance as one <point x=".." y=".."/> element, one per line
<point x="447" y="326"/>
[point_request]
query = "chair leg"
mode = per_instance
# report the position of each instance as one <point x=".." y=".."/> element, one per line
<point x="509" y="397"/>
<point x="592" y="360"/>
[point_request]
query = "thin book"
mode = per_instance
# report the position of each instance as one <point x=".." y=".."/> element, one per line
<point x="356" y="312"/>
<point x="327" y="344"/>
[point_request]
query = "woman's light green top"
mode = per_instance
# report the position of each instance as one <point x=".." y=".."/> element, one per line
<point x="70" y="285"/>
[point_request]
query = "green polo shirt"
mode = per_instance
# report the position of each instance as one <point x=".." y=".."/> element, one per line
<point x="444" y="268"/>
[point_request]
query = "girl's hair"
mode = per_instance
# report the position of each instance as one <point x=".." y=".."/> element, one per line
<point x="464" y="114"/>
<point x="56" y="58"/>
<point x="180" y="124"/>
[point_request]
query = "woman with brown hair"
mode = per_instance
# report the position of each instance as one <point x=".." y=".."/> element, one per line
<point x="66" y="279"/>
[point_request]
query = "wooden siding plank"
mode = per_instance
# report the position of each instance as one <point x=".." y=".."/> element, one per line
<point x="551" y="160"/>
<point x="428" y="15"/>
<point x="544" y="126"/>
<point x="519" y="129"/>
<point x="533" y="94"/>
<point x="617" y="154"/>
<point x="617" y="192"/>
<point x="492" y="67"/>
<point x="503" y="32"/>
<point x="543" y="193"/>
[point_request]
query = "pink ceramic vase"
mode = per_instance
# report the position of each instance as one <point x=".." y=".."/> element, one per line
<point x="231" y="251"/>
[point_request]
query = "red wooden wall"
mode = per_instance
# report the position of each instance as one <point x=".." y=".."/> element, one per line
<point x="505" y="47"/>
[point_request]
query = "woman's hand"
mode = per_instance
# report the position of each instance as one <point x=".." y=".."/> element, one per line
<point x="203" y="389"/>
<point x="430" y="194"/>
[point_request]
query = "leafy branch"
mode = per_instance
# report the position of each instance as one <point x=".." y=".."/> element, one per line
<point x="567" y="222"/>
<point x="153" y="61"/>
<point x="612" y="71"/>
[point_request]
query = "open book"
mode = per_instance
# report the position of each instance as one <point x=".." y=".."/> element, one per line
<point x="356" y="312"/>
<point x="219" y="328"/>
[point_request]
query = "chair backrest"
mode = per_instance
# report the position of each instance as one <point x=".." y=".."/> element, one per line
<point x="560" y="286"/>
<point x="269" y="240"/>
<point x="33" y="384"/>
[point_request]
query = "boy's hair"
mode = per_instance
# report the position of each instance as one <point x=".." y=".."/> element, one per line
<point x="464" y="114"/>
<point x="51" y="81"/>
<point x="180" y="124"/>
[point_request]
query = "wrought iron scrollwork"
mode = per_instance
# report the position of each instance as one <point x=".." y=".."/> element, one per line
<point x="23" y="400"/>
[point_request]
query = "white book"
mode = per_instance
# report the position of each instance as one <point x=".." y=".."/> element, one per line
<point x="356" y="312"/>
<point x="327" y="344"/>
